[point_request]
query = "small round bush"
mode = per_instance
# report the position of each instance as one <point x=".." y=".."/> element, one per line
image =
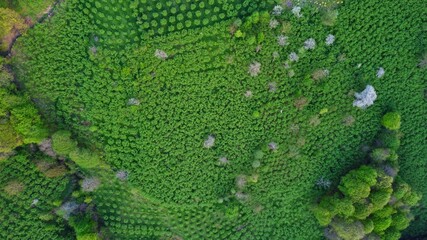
<point x="391" y="121"/>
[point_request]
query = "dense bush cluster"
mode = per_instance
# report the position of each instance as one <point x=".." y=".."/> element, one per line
<point x="372" y="201"/>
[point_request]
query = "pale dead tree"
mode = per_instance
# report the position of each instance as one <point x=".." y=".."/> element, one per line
<point x="323" y="183"/>
<point x="273" y="23"/>
<point x="282" y="40"/>
<point x="297" y="11"/>
<point x="34" y="202"/>
<point x="293" y="57"/>
<point x="380" y="72"/>
<point x="46" y="147"/>
<point x="242" y="196"/>
<point x="320" y="74"/>
<point x="254" y="69"/>
<point x="310" y="44"/>
<point x="209" y="142"/>
<point x="248" y="94"/>
<point x="330" y="39"/>
<point x="133" y="101"/>
<point x="272" y="146"/>
<point x="122" y="175"/>
<point x="68" y="208"/>
<point x="348" y="120"/>
<point x="90" y="184"/>
<point x="93" y="49"/>
<point x="241" y="181"/>
<point x="365" y="98"/>
<point x="277" y="10"/>
<point x="272" y="86"/>
<point x="389" y="170"/>
<point x="275" y="55"/>
<point x="160" y="54"/>
<point x="223" y="160"/>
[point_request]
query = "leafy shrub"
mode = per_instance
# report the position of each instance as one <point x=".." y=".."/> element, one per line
<point x="85" y="158"/>
<point x="62" y="143"/>
<point x="391" y="121"/>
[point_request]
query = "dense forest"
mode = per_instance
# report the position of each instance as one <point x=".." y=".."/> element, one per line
<point x="213" y="119"/>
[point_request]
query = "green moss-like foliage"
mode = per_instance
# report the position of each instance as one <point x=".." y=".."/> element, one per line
<point x="391" y="121"/>
<point x="62" y="143"/>
<point x="85" y="158"/>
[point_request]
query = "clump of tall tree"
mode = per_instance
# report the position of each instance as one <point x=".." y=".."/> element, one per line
<point x="371" y="202"/>
<point x="20" y="122"/>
